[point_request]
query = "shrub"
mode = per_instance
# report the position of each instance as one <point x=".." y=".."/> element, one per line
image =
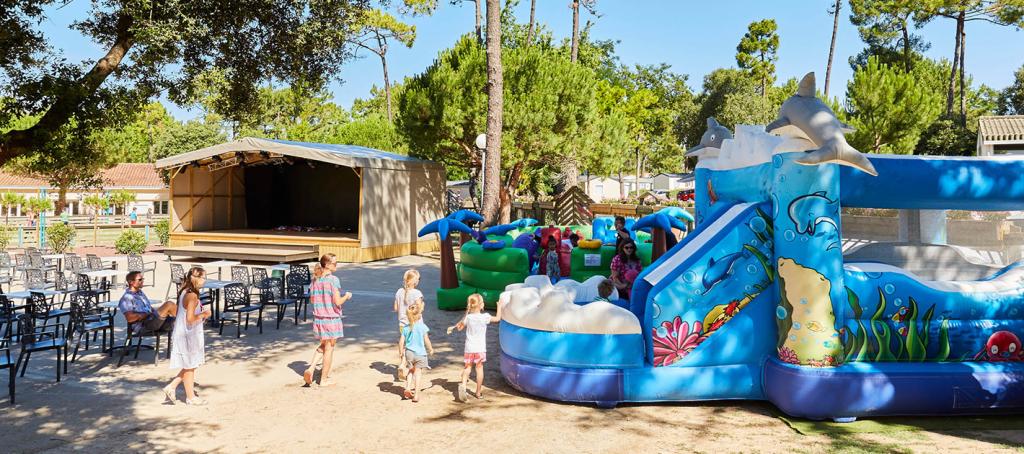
<point x="60" y="236"/>
<point x="130" y="242"/>
<point x="6" y="234"/>
<point x="163" y="231"/>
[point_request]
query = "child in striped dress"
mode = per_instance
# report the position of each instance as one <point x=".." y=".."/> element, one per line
<point x="326" y="299"/>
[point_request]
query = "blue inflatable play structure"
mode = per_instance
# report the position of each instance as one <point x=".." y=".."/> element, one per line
<point x="758" y="302"/>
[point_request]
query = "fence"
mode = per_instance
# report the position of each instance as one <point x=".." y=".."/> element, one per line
<point x="85" y="234"/>
<point x="546" y="212"/>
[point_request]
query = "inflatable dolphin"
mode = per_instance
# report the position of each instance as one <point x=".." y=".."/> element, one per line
<point x="817" y="121"/>
<point x="712" y="138"/>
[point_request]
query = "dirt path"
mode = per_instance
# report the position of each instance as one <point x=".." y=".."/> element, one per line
<point x="258" y="405"/>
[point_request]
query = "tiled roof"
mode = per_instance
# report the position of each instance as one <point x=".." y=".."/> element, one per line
<point x="1005" y="127"/>
<point x="124" y="175"/>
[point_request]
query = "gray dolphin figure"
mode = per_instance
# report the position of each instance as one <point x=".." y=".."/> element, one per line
<point x="816" y="120"/>
<point x="712" y="138"/>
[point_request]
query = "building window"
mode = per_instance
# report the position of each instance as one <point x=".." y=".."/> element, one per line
<point x="161" y="207"/>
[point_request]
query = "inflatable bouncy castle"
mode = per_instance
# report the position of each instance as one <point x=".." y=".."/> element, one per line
<point x="759" y="302"/>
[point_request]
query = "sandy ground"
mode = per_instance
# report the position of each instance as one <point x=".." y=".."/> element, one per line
<point x="257" y="403"/>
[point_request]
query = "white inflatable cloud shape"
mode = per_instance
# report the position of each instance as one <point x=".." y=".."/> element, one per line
<point x="538" y="305"/>
<point x="753" y="146"/>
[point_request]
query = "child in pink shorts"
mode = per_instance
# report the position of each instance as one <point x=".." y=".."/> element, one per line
<point x="475" y="323"/>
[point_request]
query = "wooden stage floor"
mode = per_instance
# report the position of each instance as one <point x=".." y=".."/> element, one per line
<point x="256" y="245"/>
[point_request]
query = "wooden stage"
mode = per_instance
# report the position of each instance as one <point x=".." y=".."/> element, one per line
<point x="277" y="246"/>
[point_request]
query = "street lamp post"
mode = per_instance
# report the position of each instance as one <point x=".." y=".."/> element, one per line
<point x="481" y="145"/>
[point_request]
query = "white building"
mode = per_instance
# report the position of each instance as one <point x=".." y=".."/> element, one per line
<point x="600" y="188"/>
<point x="1003" y="134"/>
<point x="151" y="193"/>
<point x="673" y="182"/>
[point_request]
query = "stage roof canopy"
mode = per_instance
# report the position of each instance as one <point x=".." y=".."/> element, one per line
<point x="253" y="150"/>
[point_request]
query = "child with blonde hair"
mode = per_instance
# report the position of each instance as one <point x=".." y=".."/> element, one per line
<point x="326" y="299"/>
<point x="475" y="354"/>
<point x="415" y="348"/>
<point x="406" y="297"/>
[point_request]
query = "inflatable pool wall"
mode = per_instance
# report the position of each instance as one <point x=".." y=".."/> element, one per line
<point x="758" y="303"/>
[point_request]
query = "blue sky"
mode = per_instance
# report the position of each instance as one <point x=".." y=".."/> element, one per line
<point x="693" y="37"/>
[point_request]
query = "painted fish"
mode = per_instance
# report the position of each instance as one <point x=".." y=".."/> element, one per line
<point x="719" y="270"/>
<point x="815" y="326"/>
<point x="900" y="315"/>
<point x="810" y="211"/>
<point x="711" y="194"/>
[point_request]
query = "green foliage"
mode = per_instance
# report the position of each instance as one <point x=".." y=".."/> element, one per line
<point x="130" y="241"/>
<point x="163" y="231"/>
<point x="37" y="205"/>
<point x="1011" y="99"/>
<point x="373" y="131"/>
<point x="6" y="234"/>
<point x="757" y="50"/>
<point x="550" y="111"/>
<point x="96" y="203"/>
<point x="10" y="200"/>
<point x="888" y="108"/>
<point x="60" y="237"/>
<point x="885" y="26"/>
<point x="172" y="48"/>
<point x="946" y="137"/>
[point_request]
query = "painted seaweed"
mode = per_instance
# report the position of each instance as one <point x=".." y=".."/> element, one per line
<point x="768" y="268"/>
<point x="911" y="347"/>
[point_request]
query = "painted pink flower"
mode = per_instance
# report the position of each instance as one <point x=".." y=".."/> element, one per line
<point x="679" y="340"/>
<point x="787" y="355"/>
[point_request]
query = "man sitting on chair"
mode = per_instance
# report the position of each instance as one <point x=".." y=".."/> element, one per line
<point x="136" y="307"/>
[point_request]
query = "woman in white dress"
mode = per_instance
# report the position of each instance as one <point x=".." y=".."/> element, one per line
<point x="187" y="345"/>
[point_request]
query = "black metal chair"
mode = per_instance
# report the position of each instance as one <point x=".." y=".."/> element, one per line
<point x="137" y="331"/>
<point x="177" y="276"/>
<point x="73" y="264"/>
<point x="238" y="301"/>
<point x="46" y="308"/>
<point x="35" y="279"/>
<point x="136" y="263"/>
<point x="8" y="316"/>
<point x="270" y="295"/>
<point x="84" y="284"/>
<point x="36" y="260"/>
<point x="6" y="363"/>
<point x="298" y="281"/>
<point x="86" y="320"/>
<point x="35" y="338"/>
<point x="6" y="269"/>
<point x="94" y="263"/>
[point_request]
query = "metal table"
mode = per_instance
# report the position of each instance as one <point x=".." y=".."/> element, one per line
<point x="215" y="286"/>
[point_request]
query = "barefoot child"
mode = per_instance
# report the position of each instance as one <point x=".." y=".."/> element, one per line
<point x="415" y="348"/>
<point x="406" y="297"/>
<point x="325" y="296"/>
<point x="475" y="354"/>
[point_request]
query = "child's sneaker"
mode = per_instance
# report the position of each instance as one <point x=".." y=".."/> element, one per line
<point x="407" y="394"/>
<point x="462" y="396"/>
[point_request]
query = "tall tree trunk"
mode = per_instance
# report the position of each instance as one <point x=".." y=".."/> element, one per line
<point x="495" y="106"/>
<point x="622" y="186"/>
<point x="963" y="80"/>
<point x="636" y="173"/>
<point x="832" y="47"/>
<point x="906" y="48"/>
<point x="575" y="5"/>
<point x="951" y="89"/>
<point x="479" y="31"/>
<point x="62" y="201"/>
<point x="387" y="84"/>
<point x="529" y="33"/>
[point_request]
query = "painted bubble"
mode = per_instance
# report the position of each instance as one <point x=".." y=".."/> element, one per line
<point x="803" y="301"/>
<point x="792" y="337"/>
<point x="697" y="292"/>
<point x="754" y="242"/>
<point x="803" y="239"/>
<point x="807" y="311"/>
<point x="662" y="332"/>
<point x="689" y="301"/>
<point x="827" y="344"/>
<point x="689" y="276"/>
<point x="796" y="325"/>
<point x="780" y="312"/>
<point x="758" y="225"/>
<point x="775" y="206"/>
<point x="748" y="288"/>
<point x="657" y="310"/>
<point x="768" y="244"/>
<point x="777" y="161"/>
<point x="898" y="301"/>
<point x="889" y="288"/>
<point x="789" y="235"/>
<point x="782" y="178"/>
<point x="752" y="269"/>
